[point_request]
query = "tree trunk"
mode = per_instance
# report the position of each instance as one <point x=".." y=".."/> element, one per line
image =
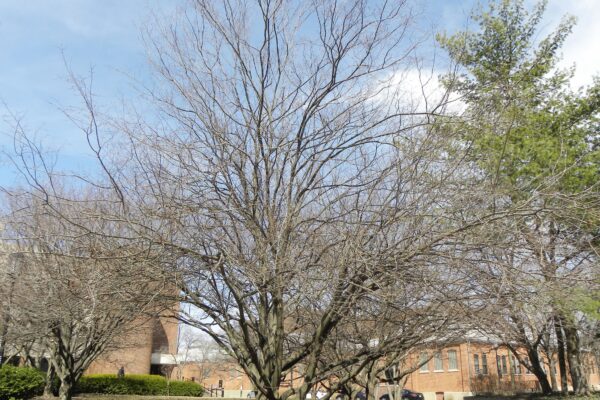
<point x="562" y="363"/>
<point x="4" y="333"/>
<point x="6" y="312"/>
<point x="371" y="386"/>
<point x="50" y="377"/>
<point x="303" y="390"/>
<point x="553" y="376"/>
<point x="3" y="340"/>
<point x="538" y="371"/>
<point x="259" y="396"/>
<point x="580" y="383"/>
<point x="355" y="392"/>
<point x="65" y="392"/>
<point x="349" y="391"/>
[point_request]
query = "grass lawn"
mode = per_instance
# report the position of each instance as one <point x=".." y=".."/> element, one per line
<point x="134" y="397"/>
<point x="593" y="396"/>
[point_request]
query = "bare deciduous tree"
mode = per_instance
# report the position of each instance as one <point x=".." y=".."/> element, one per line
<point x="77" y="293"/>
<point x="284" y="179"/>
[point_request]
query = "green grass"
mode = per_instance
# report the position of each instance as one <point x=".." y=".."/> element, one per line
<point x="571" y="397"/>
<point x="137" y="397"/>
<point x="537" y="396"/>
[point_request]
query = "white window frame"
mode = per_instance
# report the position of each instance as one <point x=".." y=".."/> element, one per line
<point x="516" y="365"/>
<point x="437" y="357"/>
<point x="425" y="367"/>
<point x="484" y="365"/>
<point x="454" y="358"/>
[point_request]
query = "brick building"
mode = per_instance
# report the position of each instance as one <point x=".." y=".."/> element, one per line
<point x="471" y="367"/>
<point x="458" y="370"/>
<point x="219" y="378"/>
<point x="150" y="347"/>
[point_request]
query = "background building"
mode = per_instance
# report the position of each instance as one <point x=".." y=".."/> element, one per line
<point x="149" y="348"/>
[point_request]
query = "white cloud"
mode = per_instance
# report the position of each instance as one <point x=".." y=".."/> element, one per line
<point x="582" y="48"/>
<point x="88" y="18"/>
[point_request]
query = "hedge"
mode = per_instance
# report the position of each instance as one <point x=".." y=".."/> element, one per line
<point x="20" y="382"/>
<point x="152" y="385"/>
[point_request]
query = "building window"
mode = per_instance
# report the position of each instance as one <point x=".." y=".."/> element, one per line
<point x="437" y="362"/>
<point x="484" y="367"/>
<point x="515" y="365"/>
<point x="452" y="361"/>
<point x="391" y="374"/>
<point x="498" y="365"/>
<point x="504" y="367"/>
<point x="527" y="366"/>
<point x="476" y="364"/>
<point x="423" y="361"/>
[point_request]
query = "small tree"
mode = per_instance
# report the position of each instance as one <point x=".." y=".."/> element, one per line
<point x="76" y="293"/>
<point x="413" y="316"/>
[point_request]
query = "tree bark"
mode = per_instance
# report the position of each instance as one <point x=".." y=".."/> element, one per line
<point x="562" y="363"/>
<point x="50" y="377"/>
<point x="6" y="318"/>
<point x="537" y="370"/>
<point x="3" y="338"/>
<point x="65" y="392"/>
<point x="553" y="376"/>
<point x="580" y="383"/>
<point x="370" y="386"/>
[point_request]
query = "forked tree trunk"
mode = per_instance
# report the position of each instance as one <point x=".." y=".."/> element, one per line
<point x="50" y="377"/>
<point x="580" y="382"/>
<point x="67" y="385"/>
<point x="371" y="385"/>
<point x="562" y="361"/>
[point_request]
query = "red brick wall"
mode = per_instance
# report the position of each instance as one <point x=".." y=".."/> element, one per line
<point x="209" y="373"/>
<point x="134" y="350"/>
<point x="133" y="353"/>
<point x="466" y="379"/>
<point x="160" y="335"/>
<point x="444" y="380"/>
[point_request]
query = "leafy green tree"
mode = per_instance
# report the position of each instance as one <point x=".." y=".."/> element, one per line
<point x="537" y="139"/>
<point x="525" y="123"/>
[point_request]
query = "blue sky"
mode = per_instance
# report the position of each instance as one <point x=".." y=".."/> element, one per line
<point x="104" y="34"/>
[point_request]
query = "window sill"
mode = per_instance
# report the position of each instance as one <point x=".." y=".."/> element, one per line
<point x="423" y="372"/>
<point x="453" y="370"/>
<point x="438" y="370"/>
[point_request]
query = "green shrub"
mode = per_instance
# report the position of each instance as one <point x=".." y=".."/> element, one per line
<point x="151" y="385"/>
<point x="180" y="388"/>
<point x="20" y="382"/>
